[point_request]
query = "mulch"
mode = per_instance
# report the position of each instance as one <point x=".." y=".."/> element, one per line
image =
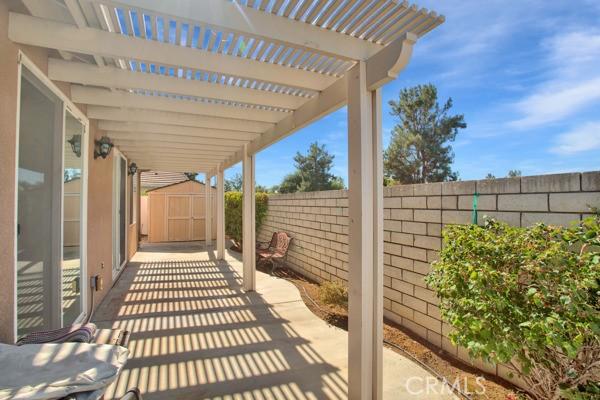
<point x="400" y="340"/>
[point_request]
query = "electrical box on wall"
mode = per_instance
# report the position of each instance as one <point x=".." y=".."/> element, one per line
<point x="96" y="283"/>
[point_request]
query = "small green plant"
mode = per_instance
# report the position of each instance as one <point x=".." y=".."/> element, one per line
<point x="591" y="391"/>
<point x="525" y="297"/>
<point x="233" y="214"/>
<point x="333" y="293"/>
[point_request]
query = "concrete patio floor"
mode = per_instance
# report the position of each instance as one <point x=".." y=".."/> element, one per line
<point x="195" y="334"/>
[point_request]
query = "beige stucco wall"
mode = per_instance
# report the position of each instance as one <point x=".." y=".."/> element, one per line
<point x="99" y="257"/>
<point x="100" y="205"/>
<point x="414" y="216"/>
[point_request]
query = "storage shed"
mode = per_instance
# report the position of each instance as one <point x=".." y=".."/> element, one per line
<point x="177" y="212"/>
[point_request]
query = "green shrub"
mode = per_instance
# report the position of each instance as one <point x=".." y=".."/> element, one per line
<point x="233" y="213"/>
<point x="527" y="297"/>
<point x="333" y="293"/>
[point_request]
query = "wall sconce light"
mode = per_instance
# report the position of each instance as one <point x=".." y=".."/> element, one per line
<point x="133" y="168"/>
<point x="191" y="175"/>
<point x="102" y="147"/>
<point x="75" y="143"/>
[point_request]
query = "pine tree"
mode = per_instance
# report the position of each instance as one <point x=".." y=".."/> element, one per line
<point x="419" y="151"/>
<point x="313" y="172"/>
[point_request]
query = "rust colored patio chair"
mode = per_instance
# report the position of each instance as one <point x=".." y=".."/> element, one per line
<point x="274" y="251"/>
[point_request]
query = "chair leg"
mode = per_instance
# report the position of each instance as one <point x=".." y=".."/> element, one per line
<point x="275" y="265"/>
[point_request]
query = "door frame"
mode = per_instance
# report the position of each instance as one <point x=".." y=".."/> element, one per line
<point x="118" y="156"/>
<point x="67" y="106"/>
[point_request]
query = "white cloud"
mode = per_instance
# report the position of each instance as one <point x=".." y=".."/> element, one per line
<point x="581" y="139"/>
<point x="571" y="82"/>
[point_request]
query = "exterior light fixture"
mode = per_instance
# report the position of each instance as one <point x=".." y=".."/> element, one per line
<point x="191" y="175"/>
<point x="133" y="168"/>
<point x="102" y="147"/>
<point x="75" y="143"/>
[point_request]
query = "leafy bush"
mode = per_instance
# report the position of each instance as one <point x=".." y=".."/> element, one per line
<point x="333" y="293"/>
<point x="233" y="214"/>
<point x="526" y="297"/>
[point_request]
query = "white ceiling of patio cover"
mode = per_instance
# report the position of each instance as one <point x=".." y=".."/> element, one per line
<point x="182" y="86"/>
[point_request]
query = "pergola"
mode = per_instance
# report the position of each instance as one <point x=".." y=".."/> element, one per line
<point x="194" y="85"/>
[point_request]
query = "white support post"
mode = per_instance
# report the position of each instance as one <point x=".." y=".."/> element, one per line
<point x="365" y="177"/>
<point x="220" y="214"/>
<point x="248" y="222"/>
<point x="208" y="210"/>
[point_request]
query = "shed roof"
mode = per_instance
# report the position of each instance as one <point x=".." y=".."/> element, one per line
<point x="155" y="179"/>
<point x="194" y="183"/>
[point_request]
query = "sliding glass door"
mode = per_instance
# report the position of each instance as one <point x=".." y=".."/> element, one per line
<point x="39" y="206"/>
<point x="50" y="208"/>
<point x="119" y="212"/>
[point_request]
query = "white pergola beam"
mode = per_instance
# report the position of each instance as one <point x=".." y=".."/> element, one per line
<point x="175" y="118"/>
<point x="175" y="158"/>
<point x="52" y="10"/>
<point x="328" y="101"/>
<point x="119" y="141"/>
<point x="172" y="156"/>
<point x="77" y="14"/>
<point x="331" y="99"/>
<point x="194" y="164"/>
<point x="157" y="137"/>
<point x="247" y="21"/>
<point x="167" y="168"/>
<point x="110" y="77"/>
<point x="394" y="57"/>
<point x="167" y="150"/>
<point x="385" y="66"/>
<point x="185" y="166"/>
<point x="103" y="97"/>
<point x="177" y="130"/>
<point x="153" y="149"/>
<point x="54" y="35"/>
<point x="248" y="220"/>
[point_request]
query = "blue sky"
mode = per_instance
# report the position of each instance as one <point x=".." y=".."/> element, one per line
<point x="525" y="74"/>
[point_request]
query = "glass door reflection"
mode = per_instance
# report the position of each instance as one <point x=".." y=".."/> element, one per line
<point x="73" y="150"/>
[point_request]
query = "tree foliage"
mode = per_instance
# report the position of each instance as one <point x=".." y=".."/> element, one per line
<point x="313" y="172"/>
<point x="233" y="214"/>
<point x="234" y="184"/>
<point x="419" y="151"/>
<point x="527" y="297"/>
<point x="514" y="173"/>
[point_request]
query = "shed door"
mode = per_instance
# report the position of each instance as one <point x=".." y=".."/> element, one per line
<point x="179" y="210"/>
<point x="198" y="217"/>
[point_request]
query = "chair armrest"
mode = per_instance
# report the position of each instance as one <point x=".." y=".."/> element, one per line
<point x="262" y="245"/>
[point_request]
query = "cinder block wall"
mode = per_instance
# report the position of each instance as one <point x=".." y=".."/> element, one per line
<point x="414" y="218"/>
